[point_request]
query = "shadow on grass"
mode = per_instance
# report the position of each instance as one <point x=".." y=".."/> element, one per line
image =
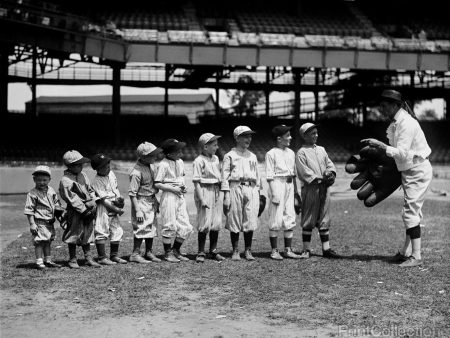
<point x="368" y="258"/>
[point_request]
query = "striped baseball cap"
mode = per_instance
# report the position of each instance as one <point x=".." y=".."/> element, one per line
<point x="242" y="130"/>
<point x="147" y="148"/>
<point x="42" y="169"/>
<point x="74" y="157"/>
<point x="206" y="138"/>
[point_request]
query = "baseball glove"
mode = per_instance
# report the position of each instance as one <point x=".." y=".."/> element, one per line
<point x="329" y="178"/>
<point x="119" y="202"/>
<point x="262" y="204"/>
<point x="377" y="177"/>
<point x="297" y="203"/>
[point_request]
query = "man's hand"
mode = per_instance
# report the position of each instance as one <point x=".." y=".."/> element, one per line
<point x="374" y="143"/>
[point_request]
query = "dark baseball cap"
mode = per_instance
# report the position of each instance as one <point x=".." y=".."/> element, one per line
<point x="391" y="95"/>
<point x="99" y="160"/>
<point x="280" y="130"/>
<point x="171" y="145"/>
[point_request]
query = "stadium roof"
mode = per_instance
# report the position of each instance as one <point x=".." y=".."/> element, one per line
<point x="153" y="98"/>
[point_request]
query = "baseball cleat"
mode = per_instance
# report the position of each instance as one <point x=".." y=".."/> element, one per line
<point x="106" y="261"/>
<point x="138" y="259"/>
<point x="179" y="256"/>
<point x="73" y="264"/>
<point x="276" y="255"/>
<point x="200" y="257"/>
<point x="398" y="258"/>
<point x="170" y="257"/>
<point x="40" y="266"/>
<point x="52" y="264"/>
<point x="288" y="253"/>
<point x="248" y="255"/>
<point x="151" y="257"/>
<point x="305" y="254"/>
<point x="330" y="254"/>
<point x="236" y="256"/>
<point x="218" y="257"/>
<point x="90" y="262"/>
<point x="118" y="260"/>
<point x="411" y="262"/>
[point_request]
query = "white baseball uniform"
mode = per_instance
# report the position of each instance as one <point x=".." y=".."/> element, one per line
<point x="410" y="150"/>
<point x="280" y="169"/>
<point x="107" y="225"/>
<point x="241" y="177"/>
<point x="311" y="162"/>
<point x="174" y="216"/>
<point x="142" y="186"/>
<point x="207" y="174"/>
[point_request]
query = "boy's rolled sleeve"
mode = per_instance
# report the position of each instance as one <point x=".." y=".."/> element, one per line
<point x="135" y="182"/>
<point x="30" y="204"/>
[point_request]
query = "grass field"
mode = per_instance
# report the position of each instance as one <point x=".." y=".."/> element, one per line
<point x="362" y="294"/>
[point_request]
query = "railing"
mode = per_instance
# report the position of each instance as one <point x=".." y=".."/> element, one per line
<point x="87" y="71"/>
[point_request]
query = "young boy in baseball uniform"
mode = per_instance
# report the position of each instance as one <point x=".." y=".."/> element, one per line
<point x="143" y="203"/>
<point x="76" y="190"/>
<point x="109" y="208"/>
<point x="42" y="207"/>
<point x="207" y="196"/>
<point x="174" y="217"/>
<point x="280" y="171"/>
<point x="241" y="182"/>
<point x="312" y="165"/>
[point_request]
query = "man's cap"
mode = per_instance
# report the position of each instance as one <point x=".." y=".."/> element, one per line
<point x="147" y="148"/>
<point x="242" y="130"/>
<point x="392" y="95"/>
<point x="206" y="138"/>
<point x="74" y="157"/>
<point x="171" y="145"/>
<point x="42" y="169"/>
<point x="280" y="130"/>
<point x="306" y="127"/>
<point x="99" y="160"/>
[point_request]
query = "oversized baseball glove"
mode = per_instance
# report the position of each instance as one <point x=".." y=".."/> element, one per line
<point x="329" y="178"/>
<point x="378" y="176"/>
<point x="297" y="203"/>
<point x="262" y="204"/>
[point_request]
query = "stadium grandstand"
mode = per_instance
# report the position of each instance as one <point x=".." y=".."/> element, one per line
<point x="344" y="53"/>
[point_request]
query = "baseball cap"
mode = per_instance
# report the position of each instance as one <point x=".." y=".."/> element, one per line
<point x="242" y="130"/>
<point x="391" y="94"/>
<point x="99" y="160"/>
<point x="147" y="148"/>
<point x="74" y="157"/>
<point x="306" y="127"/>
<point x="206" y="138"/>
<point x="280" y="130"/>
<point x="171" y="145"/>
<point x="42" y="169"/>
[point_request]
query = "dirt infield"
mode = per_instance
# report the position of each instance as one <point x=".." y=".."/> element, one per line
<point x="361" y="294"/>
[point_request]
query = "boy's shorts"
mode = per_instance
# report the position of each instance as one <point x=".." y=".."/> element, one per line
<point x="147" y="228"/>
<point x="46" y="231"/>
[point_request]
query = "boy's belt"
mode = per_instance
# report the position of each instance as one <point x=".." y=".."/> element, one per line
<point x="289" y="179"/>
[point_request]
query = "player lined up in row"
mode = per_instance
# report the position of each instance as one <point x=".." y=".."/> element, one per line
<point x="233" y="188"/>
